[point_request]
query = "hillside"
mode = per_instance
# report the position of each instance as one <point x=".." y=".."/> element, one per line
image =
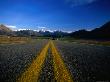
<point x="98" y="33"/>
<point x="102" y="32"/>
<point x="5" y="30"/>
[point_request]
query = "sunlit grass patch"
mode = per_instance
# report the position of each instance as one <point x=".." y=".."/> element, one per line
<point x="10" y="39"/>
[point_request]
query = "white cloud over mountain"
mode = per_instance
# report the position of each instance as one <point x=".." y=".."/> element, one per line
<point x="11" y="27"/>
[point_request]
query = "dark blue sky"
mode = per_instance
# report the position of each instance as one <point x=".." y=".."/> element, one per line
<point x="67" y="15"/>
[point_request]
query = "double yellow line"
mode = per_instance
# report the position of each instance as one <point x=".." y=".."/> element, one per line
<point x="33" y="72"/>
<point x="61" y="72"/>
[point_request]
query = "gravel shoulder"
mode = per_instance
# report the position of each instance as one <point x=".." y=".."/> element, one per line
<point x="87" y="63"/>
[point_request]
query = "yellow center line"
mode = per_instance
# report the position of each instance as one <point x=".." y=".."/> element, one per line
<point x="62" y="74"/>
<point x="33" y="72"/>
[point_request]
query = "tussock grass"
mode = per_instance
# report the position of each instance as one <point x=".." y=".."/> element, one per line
<point x="84" y="41"/>
<point x="10" y="39"/>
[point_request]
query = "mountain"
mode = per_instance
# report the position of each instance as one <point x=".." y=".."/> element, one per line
<point x="27" y="33"/>
<point x="104" y="28"/>
<point x="98" y="33"/>
<point x="80" y="34"/>
<point x="5" y="30"/>
<point x="102" y="32"/>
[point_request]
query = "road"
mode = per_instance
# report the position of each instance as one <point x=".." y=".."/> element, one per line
<point x="60" y="61"/>
<point x="61" y="73"/>
<point x="88" y="63"/>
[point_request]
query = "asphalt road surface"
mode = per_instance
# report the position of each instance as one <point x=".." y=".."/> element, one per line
<point x="54" y="61"/>
<point x="87" y="63"/>
<point x="14" y="58"/>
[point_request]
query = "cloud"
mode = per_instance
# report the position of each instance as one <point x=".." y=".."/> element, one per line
<point x="23" y="29"/>
<point x="42" y="28"/>
<point x="79" y="2"/>
<point x="10" y="26"/>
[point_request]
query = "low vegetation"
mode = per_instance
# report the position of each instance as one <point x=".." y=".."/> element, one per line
<point x="10" y="39"/>
<point x="86" y="41"/>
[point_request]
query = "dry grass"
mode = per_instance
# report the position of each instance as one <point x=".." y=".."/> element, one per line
<point x="10" y="39"/>
<point x="95" y="42"/>
<point x="107" y="43"/>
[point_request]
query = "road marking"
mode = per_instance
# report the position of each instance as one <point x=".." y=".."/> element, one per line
<point x="33" y="72"/>
<point x="62" y="74"/>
